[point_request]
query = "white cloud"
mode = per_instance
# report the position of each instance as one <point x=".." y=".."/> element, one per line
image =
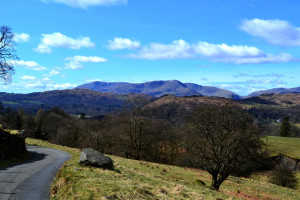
<point x="62" y="41"/>
<point x="84" y="4"/>
<point x="237" y="54"/>
<point x="34" y="84"/>
<point x="93" y="59"/>
<point x="123" y="43"/>
<point x="75" y="62"/>
<point x="156" y="51"/>
<point x="52" y="73"/>
<point x="44" y="84"/>
<point x="21" y="37"/>
<point x="73" y="65"/>
<point x="276" y="32"/>
<point x="224" y="50"/>
<point x="28" y="77"/>
<point x="28" y="64"/>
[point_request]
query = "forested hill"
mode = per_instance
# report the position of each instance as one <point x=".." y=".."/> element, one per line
<point x="72" y="101"/>
<point x="159" y="88"/>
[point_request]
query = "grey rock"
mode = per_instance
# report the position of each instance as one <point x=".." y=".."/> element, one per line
<point x="288" y="162"/>
<point x="91" y="157"/>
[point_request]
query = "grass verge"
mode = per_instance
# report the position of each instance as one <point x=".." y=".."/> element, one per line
<point x="144" y="180"/>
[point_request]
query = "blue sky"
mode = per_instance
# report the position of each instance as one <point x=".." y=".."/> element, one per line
<point x="239" y="45"/>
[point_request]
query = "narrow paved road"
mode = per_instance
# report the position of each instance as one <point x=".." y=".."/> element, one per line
<point x="32" y="179"/>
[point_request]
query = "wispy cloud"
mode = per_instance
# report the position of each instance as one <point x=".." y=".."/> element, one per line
<point x="276" y="32"/>
<point x="275" y="81"/>
<point x="32" y="84"/>
<point x="259" y="75"/>
<point x="21" y="37"/>
<point x="249" y="86"/>
<point x="75" y="62"/>
<point x="52" y="73"/>
<point x="28" y="77"/>
<point x="238" y="54"/>
<point x="29" y="65"/>
<point x="84" y="4"/>
<point x="59" y="40"/>
<point x="123" y="43"/>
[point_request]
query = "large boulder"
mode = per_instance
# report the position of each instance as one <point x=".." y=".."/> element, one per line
<point x="288" y="162"/>
<point x="91" y="157"/>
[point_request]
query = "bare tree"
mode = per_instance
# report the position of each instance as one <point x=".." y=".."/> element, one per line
<point x="222" y="139"/>
<point x="7" y="53"/>
<point x="135" y="126"/>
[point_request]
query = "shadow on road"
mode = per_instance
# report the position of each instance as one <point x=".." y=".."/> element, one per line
<point x="34" y="156"/>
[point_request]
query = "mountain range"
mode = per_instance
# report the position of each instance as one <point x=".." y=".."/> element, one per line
<point x="175" y="87"/>
<point x="101" y="98"/>
<point x="159" y="88"/>
<point x="275" y="91"/>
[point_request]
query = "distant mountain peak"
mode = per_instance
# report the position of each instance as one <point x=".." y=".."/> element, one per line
<point x="159" y="88"/>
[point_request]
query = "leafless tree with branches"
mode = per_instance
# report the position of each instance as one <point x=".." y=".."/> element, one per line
<point x="7" y="53"/>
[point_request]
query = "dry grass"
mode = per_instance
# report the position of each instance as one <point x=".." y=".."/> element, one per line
<point x="133" y="179"/>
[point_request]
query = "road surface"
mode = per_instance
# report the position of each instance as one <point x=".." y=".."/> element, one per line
<point x="32" y="179"/>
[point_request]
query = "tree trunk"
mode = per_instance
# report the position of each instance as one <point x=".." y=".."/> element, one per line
<point x="215" y="183"/>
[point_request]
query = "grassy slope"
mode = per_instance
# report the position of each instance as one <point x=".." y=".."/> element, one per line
<point x="284" y="145"/>
<point x="144" y="180"/>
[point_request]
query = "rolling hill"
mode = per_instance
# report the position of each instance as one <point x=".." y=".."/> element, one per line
<point x="159" y="88"/>
<point x="73" y="101"/>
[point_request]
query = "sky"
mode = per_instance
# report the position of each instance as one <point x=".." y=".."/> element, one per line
<point x="239" y="45"/>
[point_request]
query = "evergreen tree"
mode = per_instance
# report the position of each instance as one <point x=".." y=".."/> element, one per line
<point x="285" y="129"/>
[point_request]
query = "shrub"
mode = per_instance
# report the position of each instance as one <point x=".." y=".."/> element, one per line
<point x="283" y="176"/>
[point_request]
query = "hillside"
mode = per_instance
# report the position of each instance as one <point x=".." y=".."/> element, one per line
<point x="187" y="102"/>
<point x="159" y="88"/>
<point x="284" y="145"/>
<point x="72" y="101"/>
<point x="291" y="99"/>
<point x="144" y="180"/>
<point x="275" y="91"/>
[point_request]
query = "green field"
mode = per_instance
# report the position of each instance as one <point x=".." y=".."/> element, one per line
<point x="283" y="145"/>
<point x="32" y="102"/>
<point x="144" y="180"/>
<point x="9" y="103"/>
